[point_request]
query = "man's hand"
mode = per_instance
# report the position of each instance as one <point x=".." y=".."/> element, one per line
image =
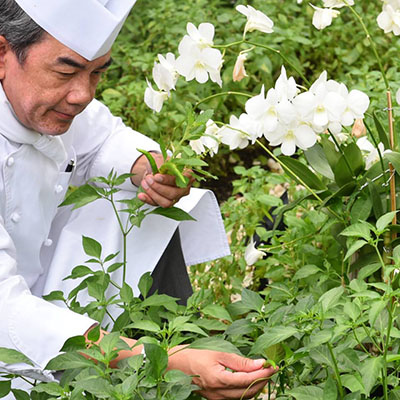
<point x="158" y="189"/>
<point x="213" y="377"/>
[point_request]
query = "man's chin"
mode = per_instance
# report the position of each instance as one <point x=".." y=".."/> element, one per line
<point x="54" y="129"/>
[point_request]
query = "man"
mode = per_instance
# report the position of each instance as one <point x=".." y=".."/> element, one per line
<point x="52" y="54"/>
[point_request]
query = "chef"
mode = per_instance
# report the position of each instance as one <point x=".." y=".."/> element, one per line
<point x="54" y="134"/>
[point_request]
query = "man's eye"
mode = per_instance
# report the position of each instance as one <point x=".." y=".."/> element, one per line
<point x="65" y="73"/>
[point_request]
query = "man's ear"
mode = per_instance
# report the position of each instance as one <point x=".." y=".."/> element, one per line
<point x="4" y="49"/>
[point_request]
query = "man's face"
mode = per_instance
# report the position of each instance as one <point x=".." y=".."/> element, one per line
<point x="52" y="86"/>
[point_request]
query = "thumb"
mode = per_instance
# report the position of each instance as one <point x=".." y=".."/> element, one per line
<point x="242" y="364"/>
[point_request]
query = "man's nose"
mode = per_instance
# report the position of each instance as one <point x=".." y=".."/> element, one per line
<point x="81" y="92"/>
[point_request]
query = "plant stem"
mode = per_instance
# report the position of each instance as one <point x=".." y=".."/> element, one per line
<point x="344" y="155"/>
<point x="387" y="342"/>
<point x="284" y="58"/>
<point x="337" y="373"/>
<point x="221" y="94"/>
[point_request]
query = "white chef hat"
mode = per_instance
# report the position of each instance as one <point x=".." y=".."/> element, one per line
<point x="88" y="27"/>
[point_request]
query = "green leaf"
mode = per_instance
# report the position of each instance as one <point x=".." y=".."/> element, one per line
<point x="81" y="196"/>
<point x="145" y="284"/>
<point x="252" y="300"/>
<point x="114" y="267"/>
<point x="112" y="341"/>
<point x="157" y="360"/>
<point x="317" y="160"/>
<point x="331" y="154"/>
<point x="375" y="309"/>
<point x="20" y="394"/>
<point x="274" y="335"/>
<point x="394" y="158"/>
<point x="383" y="137"/>
<point x="354" y="247"/>
<point x="79" y="272"/>
<point x="361" y="209"/>
<point x="370" y="371"/>
<point x="275" y="353"/>
<point x="216" y="311"/>
<point x="174" y="213"/>
<point x="91" y="247"/>
<point x="214" y="343"/>
<point x="51" y="388"/>
<point x="5" y="387"/>
<point x="352" y="310"/>
<point x="145" y="325"/>
<point x="377" y="204"/>
<point x="330" y="390"/>
<point x="203" y="117"/>
<point x="350" y="164"/>
<point x="306" y="271"/>
<point x="74" y="343"/>
<point x="306" y="393"/>
<point x="368" y="270"/>
<point x="358" y="230"/>
<point x="57" y="295"/>
<point x="353" y="383"/>
<point x="299" y="170"/>
<point x="320" y="337"/>
<point x="11" y="356"/>
<point x="385" y="220"/>
<point x="126" y="293"/>
<point x="69" y="361"/>
<point x="331" y="298"/>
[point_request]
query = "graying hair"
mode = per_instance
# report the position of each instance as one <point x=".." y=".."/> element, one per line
<point x="18" y="28"/>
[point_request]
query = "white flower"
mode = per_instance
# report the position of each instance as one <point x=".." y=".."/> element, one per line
<point x="252" y="255"/>
<point x="256" y="20"/>
<point x="295" y="134"/>
<point x="263" y="111"/>
<point x="370" y="152"/>
<point x="398" y="96"/>
<point x="165" y="74"/>
<point x="239" y="71"/>
<point x="389" y="19"/>
<point x="286" y="88"/>
<point x="210" y="140"/>
<point x="194" y="63"/>
<point x="323" y="16"/>
<point x="337" y="3"/>
<point x="154" y="99"/>
<point x="235" y="134"/>
<point x="197" y="60"/>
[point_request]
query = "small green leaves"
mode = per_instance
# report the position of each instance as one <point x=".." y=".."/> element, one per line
<point x="91" y="247"/>
<point x="174" y="213"/>
<point x="81" y="196"/>
<point x="11" y="356"/>
<point x="273" y="335"/>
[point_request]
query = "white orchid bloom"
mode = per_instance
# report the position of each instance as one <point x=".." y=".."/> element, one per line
<point x="169" y="63"/>
<point x="389" y="19"/>
<point x="323" y="16"/>
<point x="199" y="64"/>
<point x="263" y="111"/>
<point x="286" y="88"/>
<point x="251" y="254"/>
<point x="296" y="134"/>
<point x="202" y="37"/>
<point x="398" y="96"/>
<point x="370" y="151"/>
<point x="210" y="140"/>
<point x="337" y="3"/>
<point x="163" y="78"/>
<point x="256" y="20"/>
<point x="235" y="135"/>
<point x="154" y="99"/>
<point x="197" y="146"/>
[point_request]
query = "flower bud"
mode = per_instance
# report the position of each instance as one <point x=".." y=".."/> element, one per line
<point x="238" y="70"/>
<point x="359" y="129"/>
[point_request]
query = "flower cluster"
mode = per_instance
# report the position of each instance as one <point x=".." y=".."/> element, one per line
<point x="389" y="18"/>
<point x="291" y="119"/>
<point x="198" y="59"/>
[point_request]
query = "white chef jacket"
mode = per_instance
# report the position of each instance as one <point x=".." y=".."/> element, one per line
<point x="34" y="258"/>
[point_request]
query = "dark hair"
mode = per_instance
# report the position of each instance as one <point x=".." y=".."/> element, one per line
<point x="18" y="28"/>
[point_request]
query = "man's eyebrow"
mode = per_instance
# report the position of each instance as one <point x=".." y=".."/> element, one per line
<point x="75" y="64"/>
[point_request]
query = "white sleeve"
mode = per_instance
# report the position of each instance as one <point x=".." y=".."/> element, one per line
<point x="103" y="142"/>
<point x="30" y="324"/>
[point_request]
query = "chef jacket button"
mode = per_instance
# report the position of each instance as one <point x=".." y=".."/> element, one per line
<point x="10" y="161"/>
<point x="15" y="217"/>
<point x="48" y="242"/>
<point x="58" y="189"/>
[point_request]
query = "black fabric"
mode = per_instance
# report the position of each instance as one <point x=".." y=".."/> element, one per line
<point x="170" y="274"/>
